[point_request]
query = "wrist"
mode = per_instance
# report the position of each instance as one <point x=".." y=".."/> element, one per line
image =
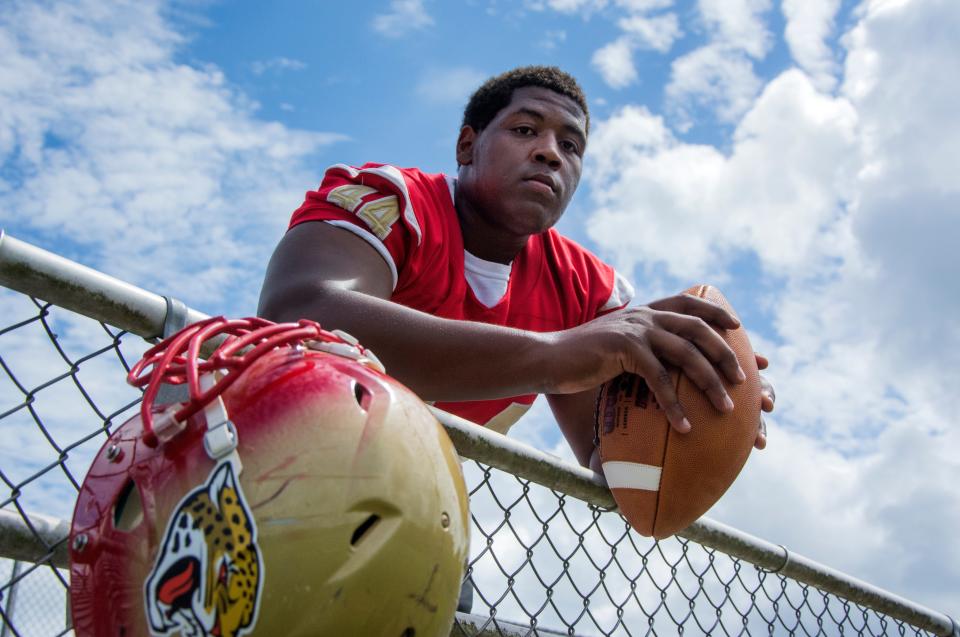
<point x="560" y="363"/>
<point x="538" y="361"/>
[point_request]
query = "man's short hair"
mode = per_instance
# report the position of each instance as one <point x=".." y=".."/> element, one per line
<point x="495" y="94"/>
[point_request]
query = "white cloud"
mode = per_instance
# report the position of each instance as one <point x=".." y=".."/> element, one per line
<point x="640" y="30"/>
<point x="711" y="77"/>
<point x="657" y="32"/>
<point x="589" y="7"/>
<point x="151" y="169"/>
<point x="449" y="85"/>
<point x="694" y="204"/>
<point x="259" y="67"/>
<point x="640" y="6"/>
<point x="719" y="76"/>
<point x="848" y="205"/>
<point x="738" y="24"/>
<point x="573" y="6"/>
<point x="403" y="17"/>
<point x="906" y="217"/>
<point x="615" y="63"/>
<point x="809" y="24"/>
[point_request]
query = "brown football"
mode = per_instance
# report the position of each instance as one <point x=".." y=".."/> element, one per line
<point x="663" y="480"/>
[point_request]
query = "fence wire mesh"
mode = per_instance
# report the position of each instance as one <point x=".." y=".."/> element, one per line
<point x="556" y="562"/>
<point x="541" y="562"/>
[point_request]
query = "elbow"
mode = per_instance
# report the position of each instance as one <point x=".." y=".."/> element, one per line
<point x="270" y="305"/>
<point x="266" y="308"/>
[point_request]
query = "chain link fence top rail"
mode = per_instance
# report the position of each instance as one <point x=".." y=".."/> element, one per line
<point x="549" y="553"/>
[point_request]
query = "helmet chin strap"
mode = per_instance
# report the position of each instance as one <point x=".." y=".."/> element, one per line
<point x="220" y="440"/>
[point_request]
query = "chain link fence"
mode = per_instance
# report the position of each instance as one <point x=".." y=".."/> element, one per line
<point x="553" y="559"/>
<point x="557" y="562"/>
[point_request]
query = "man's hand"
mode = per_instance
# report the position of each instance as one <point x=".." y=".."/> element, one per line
<point x="676" y="331"/>
<point x="644" y="340"/>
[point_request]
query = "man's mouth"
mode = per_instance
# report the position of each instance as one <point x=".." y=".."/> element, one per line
<point x="544" y="179"/>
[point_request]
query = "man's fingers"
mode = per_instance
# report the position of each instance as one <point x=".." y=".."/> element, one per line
<point x="766" y="402"/>
<point x="707" y="340"/>
<point x="661" y="384"/>
<point x="762" y="362"/>
<point x="761" y="441"/>
<point x="685" y="355"/>
<point x="768" y="395"/>
<point x="701" y="308"/>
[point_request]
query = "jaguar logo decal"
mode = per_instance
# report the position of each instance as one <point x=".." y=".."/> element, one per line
<point x="208" y="574"/>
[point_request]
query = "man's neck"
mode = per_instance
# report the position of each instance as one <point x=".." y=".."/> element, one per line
<point x="484" y="240"/>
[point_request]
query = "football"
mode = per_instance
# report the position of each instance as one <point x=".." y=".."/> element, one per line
<point x="663" y="480"/>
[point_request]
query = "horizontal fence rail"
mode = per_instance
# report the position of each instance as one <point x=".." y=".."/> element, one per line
<point x="550" y="554"/>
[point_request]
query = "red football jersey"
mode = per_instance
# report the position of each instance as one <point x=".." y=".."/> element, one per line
<point x="409" y="217"/>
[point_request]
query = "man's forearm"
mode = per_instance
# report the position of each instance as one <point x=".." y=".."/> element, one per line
<point x="439" y="359"/>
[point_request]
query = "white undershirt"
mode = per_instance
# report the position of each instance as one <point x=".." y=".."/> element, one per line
<point x="487" y="279"/>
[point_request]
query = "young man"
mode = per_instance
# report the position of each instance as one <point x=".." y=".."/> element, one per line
<point x="466" y="293"/>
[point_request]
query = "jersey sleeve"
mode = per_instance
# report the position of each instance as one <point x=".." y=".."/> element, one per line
<point x="374" y="203"/>
<point x="589" y="286"/>
<point x="621" y="294"/>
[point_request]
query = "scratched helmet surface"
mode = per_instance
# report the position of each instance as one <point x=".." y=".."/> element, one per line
<point x="297" y="490"/>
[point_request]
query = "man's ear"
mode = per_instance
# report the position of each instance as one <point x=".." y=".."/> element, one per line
<point x="465" y="144"/>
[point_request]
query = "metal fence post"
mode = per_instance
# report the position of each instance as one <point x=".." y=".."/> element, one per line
<point x="9" y="604"/>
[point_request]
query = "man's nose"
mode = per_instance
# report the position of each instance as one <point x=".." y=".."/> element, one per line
<point x="547" y="151"/>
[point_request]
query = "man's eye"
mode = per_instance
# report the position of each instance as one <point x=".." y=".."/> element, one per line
<point x="523" y="130"/>
<point x="569" y="146"/>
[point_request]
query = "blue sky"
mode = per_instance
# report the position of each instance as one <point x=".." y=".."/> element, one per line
<point x="798" y="154"/>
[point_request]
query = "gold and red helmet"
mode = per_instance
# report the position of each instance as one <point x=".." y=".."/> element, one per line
<point x="298" y="490"/>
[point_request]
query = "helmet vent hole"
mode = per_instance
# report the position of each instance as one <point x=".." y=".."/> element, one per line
<point x="128" y="510"/>
<point x="362" y="395"/>
<point x="364" y="529"/>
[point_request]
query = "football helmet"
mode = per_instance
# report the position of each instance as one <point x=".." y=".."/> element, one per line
<point x="296" y="490"/>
